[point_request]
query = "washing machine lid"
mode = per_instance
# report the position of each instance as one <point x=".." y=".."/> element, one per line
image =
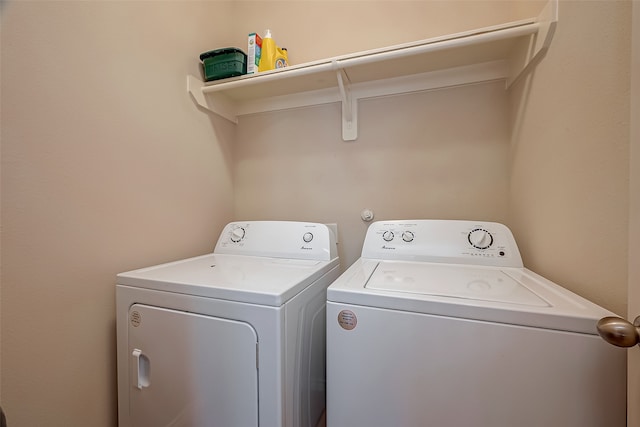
<point x="250" y="279"/>
<point x="454" y="281"/>
<point x="507" y="295"/>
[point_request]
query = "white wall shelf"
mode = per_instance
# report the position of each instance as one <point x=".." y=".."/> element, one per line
<point x="503" y="52"/>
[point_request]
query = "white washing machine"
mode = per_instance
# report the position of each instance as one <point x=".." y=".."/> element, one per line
<point x="439" y="324"/>
<point x="235" y="338"/>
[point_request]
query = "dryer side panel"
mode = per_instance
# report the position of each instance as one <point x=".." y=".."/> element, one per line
<point x="187" y="369"/>
<point x="305" y="353"/>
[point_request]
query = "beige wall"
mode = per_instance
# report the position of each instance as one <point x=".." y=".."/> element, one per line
<point x="439" y="154"/>
<point x="319" y="29"/>
<point x="569" y="179"/>
<point x="633" y="309"/>
<point x="108" y="165"/>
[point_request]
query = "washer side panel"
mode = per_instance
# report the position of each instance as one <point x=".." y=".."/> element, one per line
<point x="403" y="368"/>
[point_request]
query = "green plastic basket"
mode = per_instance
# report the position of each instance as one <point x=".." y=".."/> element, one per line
<point x="224" y="63"/>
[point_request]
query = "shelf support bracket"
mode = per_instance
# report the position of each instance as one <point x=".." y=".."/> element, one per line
<point x="215" y="104"/>
<point x="539" y="43"/>
<point x="349" y="106"/>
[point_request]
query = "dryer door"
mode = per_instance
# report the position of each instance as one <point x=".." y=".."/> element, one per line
<point x="188" y="369"/>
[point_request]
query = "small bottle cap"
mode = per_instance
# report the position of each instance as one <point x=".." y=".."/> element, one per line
<point x="267" y="34"/>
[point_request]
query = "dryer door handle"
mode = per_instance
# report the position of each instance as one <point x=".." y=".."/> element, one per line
<point x="619" y="332"/>
<point x="142" y="366"/>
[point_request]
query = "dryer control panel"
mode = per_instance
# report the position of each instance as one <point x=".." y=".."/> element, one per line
<point x="445" y="241"/>
<point x="278" y="239"/>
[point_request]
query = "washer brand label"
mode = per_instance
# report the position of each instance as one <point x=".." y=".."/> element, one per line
<point x="347" y="319"/>
<point x="135" y="318"/>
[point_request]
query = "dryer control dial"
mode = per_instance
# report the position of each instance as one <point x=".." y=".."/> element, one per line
<point x="387" y="236"/>
<point x="237" y="234"/>
<point x="307" y="237"/>
<point x="480" y="238"/>
<point x="407" y="236"/>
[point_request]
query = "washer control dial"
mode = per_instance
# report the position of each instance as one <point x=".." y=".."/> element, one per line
<point x="480" y="238"/>
<point x="387" y="236"/>
<point x="407" y="236"/>
<point x="307" y="237"/>
<point x="237" y="234"/>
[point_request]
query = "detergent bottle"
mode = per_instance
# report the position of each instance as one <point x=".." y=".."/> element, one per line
<point x="282" y="59"/>
<point x="268" y="55"/>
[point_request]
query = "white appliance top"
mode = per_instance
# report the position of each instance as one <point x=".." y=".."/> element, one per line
<point x="457" y="281"/>
<point x="258" y="262"/>
<point x="465" y="269"/>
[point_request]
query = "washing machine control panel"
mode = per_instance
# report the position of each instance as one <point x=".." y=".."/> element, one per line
<point x="278" y="239"/>
<point x="452" y="241"/>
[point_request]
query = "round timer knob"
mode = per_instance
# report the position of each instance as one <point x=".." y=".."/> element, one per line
<point x="307" y="237"/>
<point x="387" y="236"/>
<point x="237" y="234"/>
<point x="480" y="239"/>
<point x="407" y="236"/>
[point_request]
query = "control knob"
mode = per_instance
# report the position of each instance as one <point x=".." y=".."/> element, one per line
<point x="407" y="236"/>
<point x="387" y="236"/>
<point x="480" y="238"/>
<point x="237" y="234"/>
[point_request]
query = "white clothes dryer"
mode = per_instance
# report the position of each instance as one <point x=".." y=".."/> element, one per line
<point x="231" y="338"/>
<point x="439" y="324"/>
